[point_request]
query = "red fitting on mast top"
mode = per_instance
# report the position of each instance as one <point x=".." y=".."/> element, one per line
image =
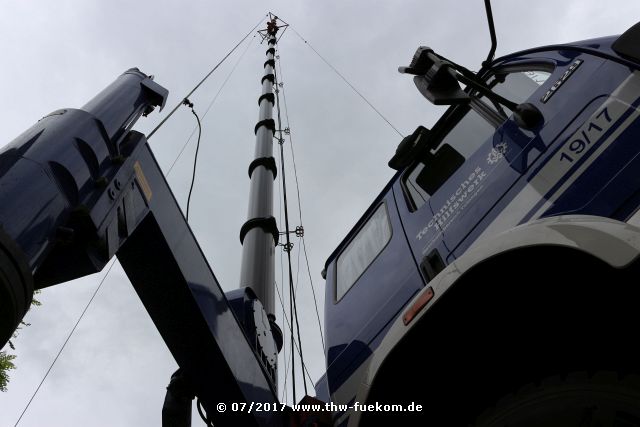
<point x="272" y="26"/>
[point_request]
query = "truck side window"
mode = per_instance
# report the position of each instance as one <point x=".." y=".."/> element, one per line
<point x="467" y="135"/>
<point x="362" y="250"/>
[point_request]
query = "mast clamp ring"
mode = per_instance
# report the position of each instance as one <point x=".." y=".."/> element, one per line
<point x="269" y="77"/>
<point x="267" y="162"/>
<point x="268" y="123"/>
<point x="269" y="97"/>
<point x="268" y="224"/>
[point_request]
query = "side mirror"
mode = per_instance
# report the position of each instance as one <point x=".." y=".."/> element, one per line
<point x="435" y="78"/>
<point x="438" y="80"/>
<point x="440" y="86"/>
<point x="408" y="148"/>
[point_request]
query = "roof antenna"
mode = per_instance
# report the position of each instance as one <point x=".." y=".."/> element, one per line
<point x="492" y="31"/>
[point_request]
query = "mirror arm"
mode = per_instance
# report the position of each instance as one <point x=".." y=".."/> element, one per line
<point x="433" y="79"/>
<point x="467" y="77"/>
<point x="526" y="115"/>
<point x="482" y="89"/>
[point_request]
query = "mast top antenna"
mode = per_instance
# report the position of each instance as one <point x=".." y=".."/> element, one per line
<point x="273" y="25"/>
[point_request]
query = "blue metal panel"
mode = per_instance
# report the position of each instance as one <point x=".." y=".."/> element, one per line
<point x="497" y="176"/>
<point x="322" y="389"/>
<point x="610" y="180"/>
<point x="77" y="188"/>
<point x="610" y="187"/>
<point x="375" y="299"/>
<point x="185" y="301"/>
<point x="51" y="178"/>
<point x="567" y="113"/>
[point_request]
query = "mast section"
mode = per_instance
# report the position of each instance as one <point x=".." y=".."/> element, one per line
<point x="259" y="234"/>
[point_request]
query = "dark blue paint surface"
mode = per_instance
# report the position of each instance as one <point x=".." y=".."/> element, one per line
<point x="354" y="322"/>
<point x="610" y="187"/>
<point x="78" y="188"/>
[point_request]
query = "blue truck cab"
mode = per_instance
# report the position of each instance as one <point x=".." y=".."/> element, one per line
<point x="502" y="255"/>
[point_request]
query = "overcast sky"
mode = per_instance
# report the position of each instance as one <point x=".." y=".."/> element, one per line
<point x="60" y="54"/>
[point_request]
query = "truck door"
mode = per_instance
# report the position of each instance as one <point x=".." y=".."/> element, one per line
<point x="453" y="192"/>
<point x="370" y="277"/>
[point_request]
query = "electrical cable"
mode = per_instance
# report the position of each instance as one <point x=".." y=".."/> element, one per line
<point x="284" y="347"/>
<point x="295" y="174"/>
<point x="195" y="157"/>
<point x="195" y="128"/>
<point x="95" y="292"/>
<point x="292" y="335"/>
<point x="287" y="231"/>
<point x="297" y="271"/>
<point x="348" y="83"/>
<point x="205" y="78"/>
<point x="203" y="413"/>
<point x="315" y="301"/>
<point x="289" y="324"/>
<point x="291" y="298"/>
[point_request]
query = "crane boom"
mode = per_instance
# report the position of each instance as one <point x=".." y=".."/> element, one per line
<point x="80" y="187"/>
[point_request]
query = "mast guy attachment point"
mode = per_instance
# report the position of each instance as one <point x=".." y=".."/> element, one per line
<point x="273" y="25"/>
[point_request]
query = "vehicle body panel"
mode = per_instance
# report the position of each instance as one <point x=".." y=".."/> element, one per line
<point x="582" y="160"/>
